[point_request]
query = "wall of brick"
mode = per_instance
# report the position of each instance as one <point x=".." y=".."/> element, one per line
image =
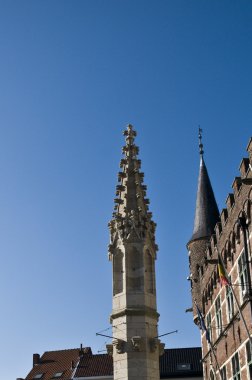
<point x="228" y="240"/>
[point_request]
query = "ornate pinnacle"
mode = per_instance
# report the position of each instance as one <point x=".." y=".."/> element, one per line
<point x="131" y="205"/>
<point x="130" y="192"/>
<point x="130" y="134"/>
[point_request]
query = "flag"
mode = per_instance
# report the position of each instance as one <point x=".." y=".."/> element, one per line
<point x="202" y="323"/>
<point x="222" y="274"/>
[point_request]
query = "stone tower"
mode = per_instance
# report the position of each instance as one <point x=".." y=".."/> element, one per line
<point x="132" y="250"/>
<point x="206" y="217"/>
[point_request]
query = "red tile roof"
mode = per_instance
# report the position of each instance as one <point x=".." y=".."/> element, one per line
<point x="179" y="362"/>
<point x="95" y="365"/>
<point x="52" y="362"/>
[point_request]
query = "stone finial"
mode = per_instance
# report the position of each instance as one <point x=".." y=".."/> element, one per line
<point x="129" y="132"/>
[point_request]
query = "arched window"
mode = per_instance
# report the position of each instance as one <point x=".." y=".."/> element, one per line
<point x="118" y="272"/>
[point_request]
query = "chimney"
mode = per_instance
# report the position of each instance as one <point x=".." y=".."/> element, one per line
<point x="81" y="352"/>
<point x="36" y="359"/>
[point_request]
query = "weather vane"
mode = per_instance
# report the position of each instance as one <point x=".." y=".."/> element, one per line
<point x="201" y="151"/>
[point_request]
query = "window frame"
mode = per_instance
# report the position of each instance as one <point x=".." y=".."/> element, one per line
<point x="236" y="369"/>
<point x="209" y="325"/>
<point x="58" y="375"/>
<point x="249" y="358"/>
<point x="223" y="373"/>
<point x="218" y="316"/>
<point x="243" y="274"/>
<point x="230" y="302"/>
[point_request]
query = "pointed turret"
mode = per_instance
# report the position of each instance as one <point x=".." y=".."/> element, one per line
<point x="206" y="217"/>
<point x="206" y="213"/>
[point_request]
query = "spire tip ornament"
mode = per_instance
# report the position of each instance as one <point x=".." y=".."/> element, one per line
<point x="201" y="151"/>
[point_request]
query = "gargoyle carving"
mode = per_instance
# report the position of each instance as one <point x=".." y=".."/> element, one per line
<point x="154" y="344"/>
<point x="136" y="343"/>
<point x="109" y="349"/>
<point x="119" y="345"/>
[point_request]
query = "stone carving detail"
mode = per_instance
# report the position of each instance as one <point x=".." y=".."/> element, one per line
<point x="136" y="343"/>
<point x="122" y="226"/>
<point x="119" y="345"/>
<point x="154" y="344"/>
<point x="161" y="349"/>
<point x="131" y="220"/>
<point x="109" y="349"/>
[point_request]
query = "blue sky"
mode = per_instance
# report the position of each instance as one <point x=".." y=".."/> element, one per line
<point x="72" y="75"/>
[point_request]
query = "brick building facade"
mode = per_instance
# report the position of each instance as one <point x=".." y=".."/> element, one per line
<point x="227" y="310"/>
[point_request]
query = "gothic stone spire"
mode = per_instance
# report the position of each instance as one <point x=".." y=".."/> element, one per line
<point x="132" y="251"/>
<point x="131" y="215"/>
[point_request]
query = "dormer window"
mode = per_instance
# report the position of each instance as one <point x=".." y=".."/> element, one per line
<point x="57" y="375"/>
<point x="184" y="367"/>
<point x="38" y="376"/>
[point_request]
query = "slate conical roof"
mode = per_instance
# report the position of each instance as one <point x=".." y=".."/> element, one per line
<point x="207" y="212"/>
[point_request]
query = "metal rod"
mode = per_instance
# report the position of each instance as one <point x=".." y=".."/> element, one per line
<point x="107" y="336"/>
<point x="172" y="332"/>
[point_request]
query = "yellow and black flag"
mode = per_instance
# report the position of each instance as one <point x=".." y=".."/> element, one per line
<point x="222" y="274"/>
